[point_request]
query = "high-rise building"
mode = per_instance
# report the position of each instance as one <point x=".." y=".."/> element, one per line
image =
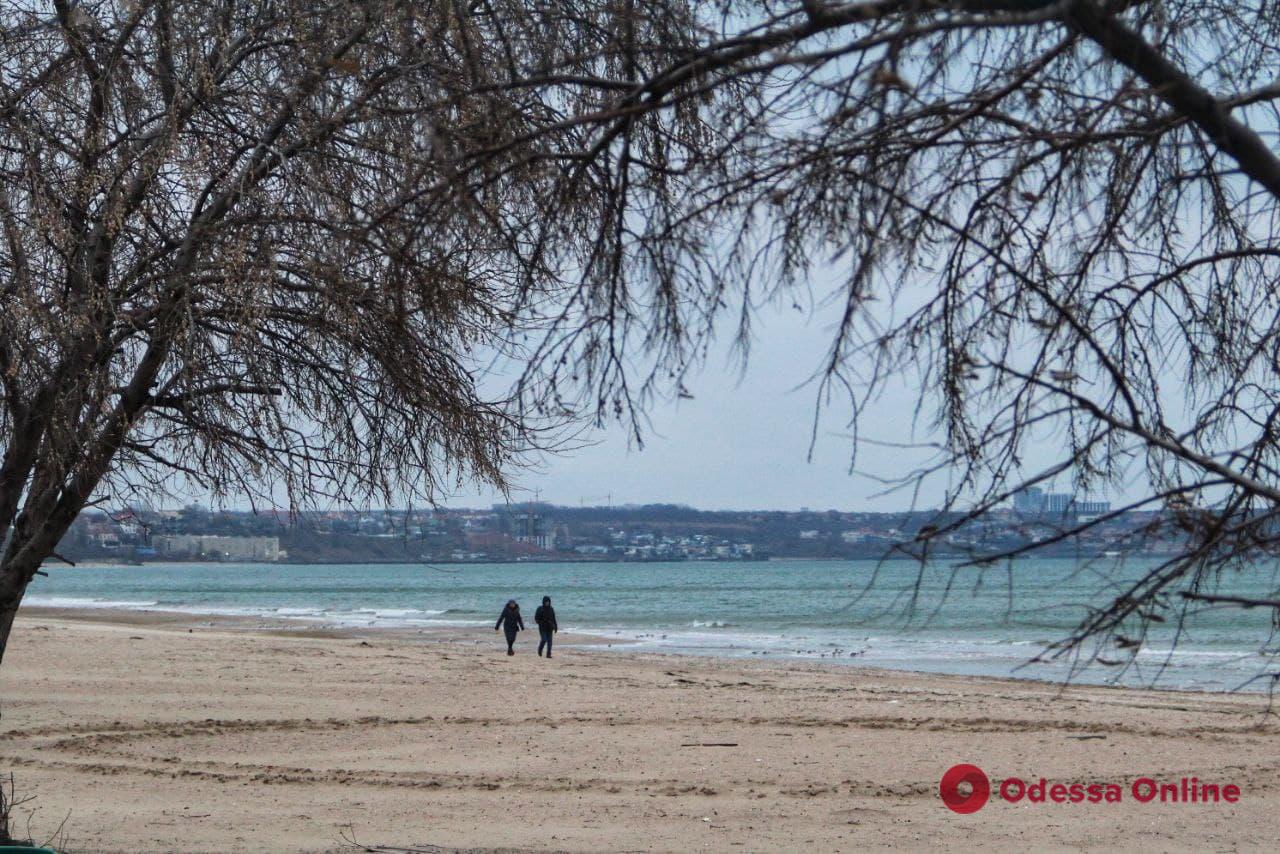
<point x="1034" y="501"/>
<point x="1059" y="503"/>
<point x="1029" y="501"/>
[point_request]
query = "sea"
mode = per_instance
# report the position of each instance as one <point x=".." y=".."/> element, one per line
<point x="939" y="618"/>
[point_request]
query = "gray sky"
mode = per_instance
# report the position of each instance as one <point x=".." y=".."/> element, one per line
<point x="742" y="442"/>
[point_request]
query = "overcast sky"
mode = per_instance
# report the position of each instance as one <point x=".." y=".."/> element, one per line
<point x="741" y="442"/>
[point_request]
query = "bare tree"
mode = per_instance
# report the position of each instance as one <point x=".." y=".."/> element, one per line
<point x="235" y="255"/>
<point x="256" y="243"/>
<point x="1059" y="219"/>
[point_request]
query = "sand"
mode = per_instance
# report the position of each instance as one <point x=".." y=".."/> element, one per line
<point x="144" y="736"/>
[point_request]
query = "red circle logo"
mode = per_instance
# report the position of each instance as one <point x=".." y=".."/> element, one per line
<point x="971" y="801"/>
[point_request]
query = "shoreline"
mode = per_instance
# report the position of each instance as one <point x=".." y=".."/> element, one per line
<point x="160" y="618"/>
<point x="846" y="612"/>
<point x="151" y="736"/>
<point x="477" y="633"/>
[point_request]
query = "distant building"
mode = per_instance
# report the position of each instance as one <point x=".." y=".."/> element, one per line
<point x="1034" y="501"/>
<point x="531" y="528"/>
<point x="1029" y="501"/>
<point x="1059" y="503"/>
<point x="218" y="548"/>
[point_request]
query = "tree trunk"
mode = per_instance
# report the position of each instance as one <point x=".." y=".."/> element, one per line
<point x="12" y="588"/>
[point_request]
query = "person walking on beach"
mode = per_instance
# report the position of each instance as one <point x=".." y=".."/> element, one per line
<point x="511" y="622"/>
<point x="545" y="617"/>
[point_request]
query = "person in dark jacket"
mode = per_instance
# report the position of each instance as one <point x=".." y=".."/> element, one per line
<point x="511" y="622"/>
<point x="545" y="617"/>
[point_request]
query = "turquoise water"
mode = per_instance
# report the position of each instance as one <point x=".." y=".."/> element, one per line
<point x="943" y="619"/>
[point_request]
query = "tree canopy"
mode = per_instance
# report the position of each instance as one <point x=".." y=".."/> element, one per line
<point x="275" y="242"/>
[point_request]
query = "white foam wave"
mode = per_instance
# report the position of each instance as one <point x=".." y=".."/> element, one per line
<point x="85" y="602"/>
<point x="395" y="613"/>
<point x="358" y="617"/>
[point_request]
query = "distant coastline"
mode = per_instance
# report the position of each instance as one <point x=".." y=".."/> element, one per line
<point x="545" y="532"/>
<point x="409" y="561"/>
<point x="892" y="555"/>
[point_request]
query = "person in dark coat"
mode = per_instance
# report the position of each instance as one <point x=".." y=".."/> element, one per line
<point x="545" y="617"/>
<point x="511" y="622"/>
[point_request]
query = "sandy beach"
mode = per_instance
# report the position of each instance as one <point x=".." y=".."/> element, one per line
<point x="146" y="732"/>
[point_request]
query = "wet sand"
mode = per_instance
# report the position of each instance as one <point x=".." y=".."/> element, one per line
<point x="154" y="732"/>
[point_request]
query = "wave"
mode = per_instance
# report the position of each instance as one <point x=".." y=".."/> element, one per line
<point x="389" y="618"/>
<point x="85" y="602"/>
<point x="1183" y="652"/>
<point x="393" y="613"/>
<point x="357" y="617"/>
<point x="1186" y="667"/>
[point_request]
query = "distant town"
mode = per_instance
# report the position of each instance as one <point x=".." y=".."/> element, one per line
<point x="651" y="532"/>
